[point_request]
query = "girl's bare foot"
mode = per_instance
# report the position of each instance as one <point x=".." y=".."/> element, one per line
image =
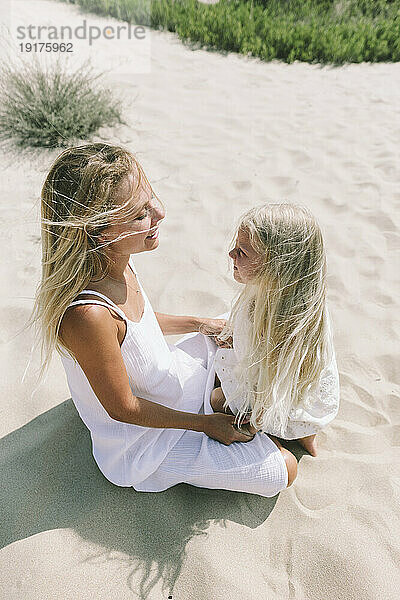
<point x="309" y="443"/>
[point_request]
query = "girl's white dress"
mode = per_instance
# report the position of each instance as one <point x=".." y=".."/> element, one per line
<point x="181" y="377"/>
<point x="303" y="420"/>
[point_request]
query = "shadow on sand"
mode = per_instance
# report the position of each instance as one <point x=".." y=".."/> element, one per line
<point x="50" y="481"/>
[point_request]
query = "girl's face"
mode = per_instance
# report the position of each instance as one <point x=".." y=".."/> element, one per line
<point x="245" y="259"/>
<point x="139" y="234"/>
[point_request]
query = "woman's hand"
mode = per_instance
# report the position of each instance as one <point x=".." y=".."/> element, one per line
<point x="217" y="403"/>
<point x="250" y="429"/>
<point x="212" y="328"/>
<point x="220" y="427"/>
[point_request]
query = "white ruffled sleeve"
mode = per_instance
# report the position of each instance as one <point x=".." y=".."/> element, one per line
<point x="225" y="362"/>
<point x="227" y="359"/>
<point x="319" y="412"/>
<point x="310" y="416"/>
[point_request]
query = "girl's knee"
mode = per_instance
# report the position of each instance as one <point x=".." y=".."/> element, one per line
<point x="291" y="465"/>
<point x="217" y="399"/>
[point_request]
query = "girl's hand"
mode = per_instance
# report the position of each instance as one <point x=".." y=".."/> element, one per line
<point x="224" y="343"/>
<point x="212" y="328"/>
<point x="220" y="427"/>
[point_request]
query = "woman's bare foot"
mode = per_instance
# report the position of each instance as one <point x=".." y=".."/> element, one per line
<point x="309" y="443"/>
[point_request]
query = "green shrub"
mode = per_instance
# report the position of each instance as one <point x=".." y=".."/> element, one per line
<point x="323" y="31"/>
<point x="52" y="107"/>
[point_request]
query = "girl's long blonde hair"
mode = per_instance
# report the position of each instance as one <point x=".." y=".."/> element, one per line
<point x="76" y="206"/>
<point x="288" y="333"/>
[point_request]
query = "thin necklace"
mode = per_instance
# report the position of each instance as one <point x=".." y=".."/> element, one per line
<point x="129" y="286"/>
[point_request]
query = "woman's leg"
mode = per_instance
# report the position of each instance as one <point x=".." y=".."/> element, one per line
<point x="217" y="401"/>
<point x="254" y="467"/>
<point x="290" y="460"/>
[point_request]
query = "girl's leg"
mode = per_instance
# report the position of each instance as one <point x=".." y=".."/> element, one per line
<point x="217" y="401"/>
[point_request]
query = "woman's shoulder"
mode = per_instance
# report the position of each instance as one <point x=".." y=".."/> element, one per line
<point x="86" y="324"/>
<point x="88" y="313"/>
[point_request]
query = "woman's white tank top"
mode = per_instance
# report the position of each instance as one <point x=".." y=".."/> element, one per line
<point x="126" y="453"/>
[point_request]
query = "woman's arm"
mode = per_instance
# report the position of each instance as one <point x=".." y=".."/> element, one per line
<point x="91" y="333"/>
<point x="173" y="324"/>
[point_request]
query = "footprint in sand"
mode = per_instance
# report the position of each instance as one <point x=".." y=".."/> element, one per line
<point x="382" y="300"/>
<point x="382" y="221"/>
<point x="336" y="202"/>
<point x="373" y="266"/>
<point x="336" y="284"/>
<point x="300" y="158"/>
<point x="360" y="406"/>
<point x="388" y="170"/>
<point x="392" y="240"/>
<point x="281" y="185"/>
<point x="242" y="185"/>
<point x="388" y="367"/>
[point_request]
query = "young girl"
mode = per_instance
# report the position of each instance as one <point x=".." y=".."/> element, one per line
<point x="282" y="369"/>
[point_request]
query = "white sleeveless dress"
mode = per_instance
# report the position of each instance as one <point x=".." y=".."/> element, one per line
<point x="181" y="377"/>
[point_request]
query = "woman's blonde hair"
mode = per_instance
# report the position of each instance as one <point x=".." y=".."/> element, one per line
<point x="77" y="204"/>
<point x="287" y="344"/>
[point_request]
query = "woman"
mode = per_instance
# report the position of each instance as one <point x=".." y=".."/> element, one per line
<point x="142" y="399"/>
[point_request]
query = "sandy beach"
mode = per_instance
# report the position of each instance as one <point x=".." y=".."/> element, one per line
<point x="216" y="135"/>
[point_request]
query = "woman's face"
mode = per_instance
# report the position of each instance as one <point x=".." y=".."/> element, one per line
<point x="140" y="233"/>
<point x="245" y="258"/>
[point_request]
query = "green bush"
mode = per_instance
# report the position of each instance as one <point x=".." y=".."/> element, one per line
<point x="323" y="31"/>
<point x="52" y="107"/>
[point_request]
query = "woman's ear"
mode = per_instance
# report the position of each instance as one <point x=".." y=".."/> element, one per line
<point x="101" y="236"/>
<point x="97" y="239"/>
